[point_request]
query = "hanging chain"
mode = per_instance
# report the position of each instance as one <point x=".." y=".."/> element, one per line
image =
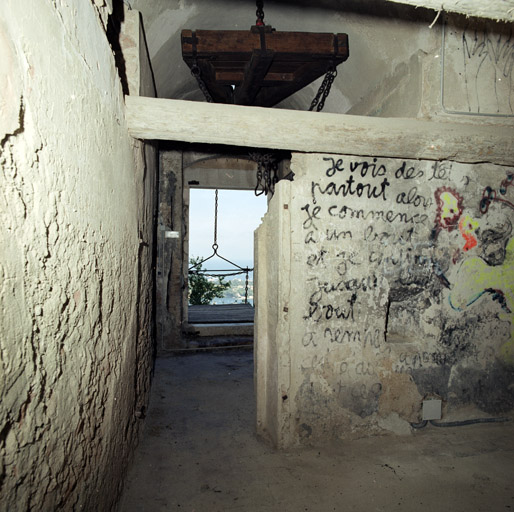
<point x="197" y="74"/>
<point x="246" y="289"/>
<point x="319" y="101"/>
<point x="215" y="244"/>
<point x="195" y="71"/>
<point x="267" y="173"/>
<point x="260" y="14"/>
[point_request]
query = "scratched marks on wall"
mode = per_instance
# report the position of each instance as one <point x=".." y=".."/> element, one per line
<point x="479" y="67"/>
<point x="488" y="60"/>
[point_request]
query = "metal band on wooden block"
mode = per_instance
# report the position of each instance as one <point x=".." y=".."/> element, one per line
<point x="189" y="121"/>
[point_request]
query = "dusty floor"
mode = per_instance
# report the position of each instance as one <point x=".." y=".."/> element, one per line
<point x="199" y="453"/>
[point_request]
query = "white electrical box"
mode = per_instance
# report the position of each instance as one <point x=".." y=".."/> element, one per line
<point x="431" y="410"/>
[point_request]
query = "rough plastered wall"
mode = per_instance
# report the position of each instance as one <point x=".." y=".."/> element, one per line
<point x="396" y="285"/>
<point x="76" y="237"/>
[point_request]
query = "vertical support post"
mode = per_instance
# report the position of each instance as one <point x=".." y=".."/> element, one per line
<point x="186" y="194"/>
<point x="170" y="252"/>
<point x="272" y="343"/>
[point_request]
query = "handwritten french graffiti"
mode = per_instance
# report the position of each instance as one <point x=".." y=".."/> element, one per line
<point x="320" y="311"/>
<point x="352" y="186"/>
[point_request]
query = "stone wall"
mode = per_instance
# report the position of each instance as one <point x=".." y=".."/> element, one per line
<point x="401" y="277"/>
<point x="76" y="231"/>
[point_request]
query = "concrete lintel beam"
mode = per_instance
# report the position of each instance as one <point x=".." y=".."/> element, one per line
<point x="315" y="132"/>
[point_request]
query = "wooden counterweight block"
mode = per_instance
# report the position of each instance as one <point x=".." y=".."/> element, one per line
<point x="260" y="67"/>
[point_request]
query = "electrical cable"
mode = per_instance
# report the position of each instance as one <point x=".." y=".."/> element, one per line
<point x="423" y="424"/>
<point x="460" y="423"/>
<point x="467" y="422"/>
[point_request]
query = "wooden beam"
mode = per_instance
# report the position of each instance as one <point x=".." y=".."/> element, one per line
<point x="243" y="42"/>
<point x="269" y="96"/>
<point x="255" y="72"/>
<point x="316" y="132"/>
<point x="220" y="93"/>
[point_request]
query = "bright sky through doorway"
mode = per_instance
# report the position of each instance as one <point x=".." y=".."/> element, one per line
<point x="239" y="214"/>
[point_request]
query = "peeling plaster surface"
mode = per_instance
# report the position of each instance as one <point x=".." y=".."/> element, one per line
<point x="75" y="229"/>
<point x="405" y="292"/>
<point x="492" y="9"/>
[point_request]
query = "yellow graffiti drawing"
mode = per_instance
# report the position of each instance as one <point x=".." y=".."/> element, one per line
<point x="475" y="278"/>
<point x="449" y="208"/>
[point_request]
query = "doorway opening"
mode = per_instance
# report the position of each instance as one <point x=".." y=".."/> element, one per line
<point x="194" y="235"/>
<point x="221" y="260"/>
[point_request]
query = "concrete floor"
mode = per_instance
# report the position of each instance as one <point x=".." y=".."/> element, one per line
<point x="199" y="453"/>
